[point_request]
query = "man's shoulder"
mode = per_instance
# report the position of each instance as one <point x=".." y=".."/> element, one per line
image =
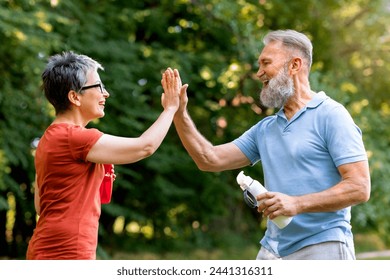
<point x="328" y="106"/>
<point x="266" y="121"/>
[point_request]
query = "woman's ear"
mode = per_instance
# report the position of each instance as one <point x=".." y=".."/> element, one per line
<point x="74" y="98"/>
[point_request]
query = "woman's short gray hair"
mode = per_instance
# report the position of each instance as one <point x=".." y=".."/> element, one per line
<point x="64" y="72"/>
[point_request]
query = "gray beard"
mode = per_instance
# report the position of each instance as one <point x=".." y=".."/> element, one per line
<point x="279" y="90"/>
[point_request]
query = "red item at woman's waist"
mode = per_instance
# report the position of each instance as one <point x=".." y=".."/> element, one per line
<point x="106" y="186"/>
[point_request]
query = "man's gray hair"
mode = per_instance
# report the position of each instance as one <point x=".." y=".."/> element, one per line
<point x="293" y="40"/>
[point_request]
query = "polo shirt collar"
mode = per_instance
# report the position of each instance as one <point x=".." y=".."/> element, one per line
<point x="316" y="101"/>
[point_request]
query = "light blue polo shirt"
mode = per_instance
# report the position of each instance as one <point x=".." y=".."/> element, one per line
<point x="301" y="156"/>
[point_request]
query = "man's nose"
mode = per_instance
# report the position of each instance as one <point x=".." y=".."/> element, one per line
<point x="260" y="73"/>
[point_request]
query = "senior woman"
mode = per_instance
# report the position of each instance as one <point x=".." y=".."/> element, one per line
<point x="70" y="157"/>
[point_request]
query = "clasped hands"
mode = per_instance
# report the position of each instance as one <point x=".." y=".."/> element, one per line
<point x="175" y="93"/>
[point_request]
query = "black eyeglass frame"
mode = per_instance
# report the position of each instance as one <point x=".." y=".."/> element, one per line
<point x="100" y="85"/>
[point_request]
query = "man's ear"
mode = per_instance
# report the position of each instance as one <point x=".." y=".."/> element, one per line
<point x="296" y="65"/>
<point x="74" y="98"/>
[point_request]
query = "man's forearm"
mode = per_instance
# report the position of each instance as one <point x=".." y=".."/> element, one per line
<point x="194" y="142"/>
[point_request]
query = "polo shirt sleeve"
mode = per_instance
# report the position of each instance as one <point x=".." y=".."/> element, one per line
<point x="343" y="137"/>
<point x="248" y="145"/>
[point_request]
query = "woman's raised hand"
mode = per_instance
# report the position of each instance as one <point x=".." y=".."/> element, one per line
<point x="171" y="84"/>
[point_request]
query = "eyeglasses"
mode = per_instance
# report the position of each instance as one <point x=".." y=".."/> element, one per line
<point x="100" y="85"/>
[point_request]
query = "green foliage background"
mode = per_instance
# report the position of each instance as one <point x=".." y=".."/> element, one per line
<point x="164" y="203"/>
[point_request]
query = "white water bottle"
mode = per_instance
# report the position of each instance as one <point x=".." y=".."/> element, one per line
<point x="252" y="188"/>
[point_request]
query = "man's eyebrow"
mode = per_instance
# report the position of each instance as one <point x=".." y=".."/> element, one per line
<point x="264" y="59"/>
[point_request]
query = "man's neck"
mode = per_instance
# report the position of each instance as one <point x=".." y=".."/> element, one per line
<point x="297" y="102"/>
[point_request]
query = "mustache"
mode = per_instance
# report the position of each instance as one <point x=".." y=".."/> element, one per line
<point x="264" y="78"/>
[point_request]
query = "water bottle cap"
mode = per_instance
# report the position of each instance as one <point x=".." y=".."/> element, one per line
<point x="240" y="178"/>
<point x="243" y="180"/>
